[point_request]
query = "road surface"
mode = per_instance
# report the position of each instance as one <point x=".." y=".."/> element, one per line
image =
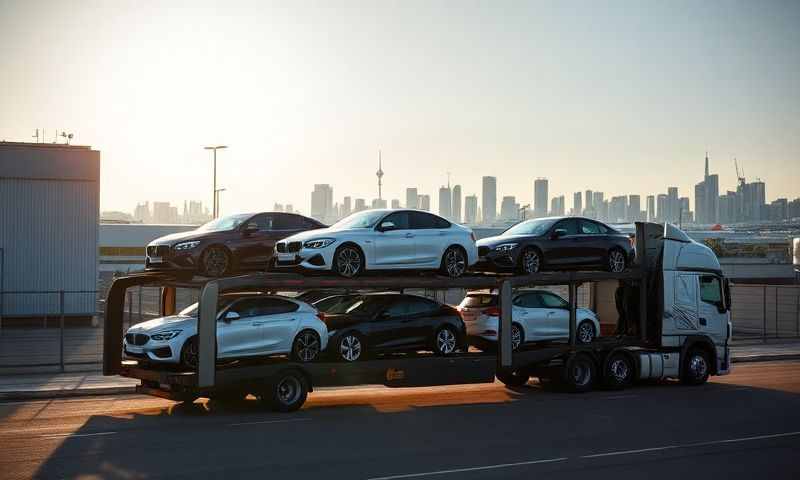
<point x="746" y="425"/>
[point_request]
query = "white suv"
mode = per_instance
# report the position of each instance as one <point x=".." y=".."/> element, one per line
<point x="248" y="325"/>
<point x="382" y="239"/>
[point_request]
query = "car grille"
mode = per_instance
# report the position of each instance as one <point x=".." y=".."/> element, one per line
<point x="292" y="247"/>
<point x="136" y="338"/>
<point x="483" y="251"/>
<point x="157" y="250"/>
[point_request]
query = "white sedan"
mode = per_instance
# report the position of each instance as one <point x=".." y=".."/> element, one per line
<point x="382" y="239"/>
<point x="248" y="325"/>
<point x="536" y="315"/>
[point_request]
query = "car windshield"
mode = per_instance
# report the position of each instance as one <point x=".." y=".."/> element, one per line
<point x="531" y="227"/>
<point x="328" y="304"/>
<point x="225" y="223"/>
<point x="365" y="219"/>
<point x="191" y="310"/>
<point x="360" y="305"/>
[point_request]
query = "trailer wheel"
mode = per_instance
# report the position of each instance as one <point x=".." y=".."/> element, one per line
<point x="579" y="373"/>
<point x="287" y="392"/>
<point x="619" y="371"/>
<point x="695" y="367"/>
<point x="513" y="379"/>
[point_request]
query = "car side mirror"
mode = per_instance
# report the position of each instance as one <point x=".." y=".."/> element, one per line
<point x="231" y="316"/>
<point x="251" y="227"/>
<point x="558" y="233"/>
<point x="387" y="226"/>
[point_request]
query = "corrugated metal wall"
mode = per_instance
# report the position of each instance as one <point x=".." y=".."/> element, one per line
<point x="49" y="233"/>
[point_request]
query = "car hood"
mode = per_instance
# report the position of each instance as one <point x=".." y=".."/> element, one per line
<point x="492" y="242"/>
<point x="339" y="321"/>
<point x="174" y="238"/>
<point x="324" y="233"/>
<point x="164" y="323"/>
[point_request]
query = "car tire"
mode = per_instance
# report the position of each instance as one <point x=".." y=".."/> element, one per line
<point x="585" y="332"/>
<point x="445" y="342"/>
<point x="287" y="392"/>
<point x="517" y="331"/>
<point x="306" y="346"/>
<point x="530" y="261"/>
<point x="616" y="261"/>
<point x="189" y="353"/>
<point x="513" y="379"/>
<point x="350" y="347"/>
<point x="579" y="373"/>
<point x="348" y="261"/>
<point x="696" y="367"/>
<point x="454" y="262"/>
<point x="216" y="262"/>
<point x="619" y="371"/>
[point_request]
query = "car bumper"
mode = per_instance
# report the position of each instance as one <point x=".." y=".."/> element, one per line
<point x="157" y="352"/>
<point x="483" y="327"/>
<point x="496" y="262"/>
<point x="183" y="261"/>
<point x="306" y="258"/>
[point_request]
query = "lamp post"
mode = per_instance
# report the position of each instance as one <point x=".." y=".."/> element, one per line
<point x="216" y="198"/>
<point x="214" y="191"/>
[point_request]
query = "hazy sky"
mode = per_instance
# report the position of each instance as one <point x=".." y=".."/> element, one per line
<point x="623" y="97"/>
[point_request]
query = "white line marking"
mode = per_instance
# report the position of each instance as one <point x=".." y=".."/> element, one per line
<point x="74" y="435"/>
<point x="469" y="469"/>
<point x="689" y="445"/>
<point x="617" y="397"/>
<point x="269" y="421"/>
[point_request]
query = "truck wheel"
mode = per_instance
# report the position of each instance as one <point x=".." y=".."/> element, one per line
<point x="513" y="379"/>
<point x="287" y="392"/>
<point x="579" y="373"/>
<point x="695" y="367"/>
<point x="619" y="371"/>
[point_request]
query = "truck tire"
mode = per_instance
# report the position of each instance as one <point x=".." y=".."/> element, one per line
<point x="286" y="392"/>
<point x="619" y="371"/>
<point x="696" y="367"/>
<point x="579" y="373"/>
<point x="513" y="379"/>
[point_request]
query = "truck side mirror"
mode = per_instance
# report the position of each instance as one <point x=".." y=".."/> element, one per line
<point x="726" y="293"/>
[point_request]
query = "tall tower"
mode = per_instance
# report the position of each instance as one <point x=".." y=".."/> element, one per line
<point x="379" y="174"/>
<point x="706" y="166"/>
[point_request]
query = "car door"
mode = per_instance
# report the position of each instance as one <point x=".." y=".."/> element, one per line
<point x="422" y="320"/>
<point x="527" y="312"/>
<point x="432" y="236"/>
<point x="557" y="314"/>
<point x="276" y="320"/>
<point x="389" y="329"/>
<point x="395" y="245"/>
<point x="256" y="247"/>
<point x="593" y="243"/>
<point x="563" y="250"/>
<point x="237" y="334"/>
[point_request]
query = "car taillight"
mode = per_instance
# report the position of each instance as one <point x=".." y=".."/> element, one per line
<point x="492" y="312"/>
<point x="321" y="316"/>
<point x="472" y="236"/>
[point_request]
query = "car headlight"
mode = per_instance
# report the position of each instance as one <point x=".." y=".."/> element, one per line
<point x="319" y="243"/>
<point x="168" y="335"/>
<point x="505" y="248"/>
<point x="186" y="245"/>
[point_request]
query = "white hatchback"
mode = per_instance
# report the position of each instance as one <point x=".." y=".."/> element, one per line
<point x="382" y="239"/>
<point x="536" y="315"/>
<point x="248" y="325"/>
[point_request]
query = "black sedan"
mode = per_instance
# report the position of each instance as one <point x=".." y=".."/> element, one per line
<point x="244" y="241"/>
<point x="555" y="243"/>
<point x="379" y="323"/>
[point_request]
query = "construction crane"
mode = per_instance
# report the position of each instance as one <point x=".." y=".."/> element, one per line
<point x="740" y="178"/>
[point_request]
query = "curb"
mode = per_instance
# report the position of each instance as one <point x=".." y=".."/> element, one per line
<point x="767" y="357"/>
<point x="86" y="392"/>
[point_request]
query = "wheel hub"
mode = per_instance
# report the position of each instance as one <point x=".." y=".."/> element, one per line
<point x="455" y="263"/>
<point x="349" y="262"/>
<point x="308" y="346"/>
<point x="620" y="370"/>
<point x="350" y="348"/>
<point x="446" y="341"/>
<point x="288" y="390"/>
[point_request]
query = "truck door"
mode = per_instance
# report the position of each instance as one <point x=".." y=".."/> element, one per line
<point x="712" y="314"/>
<point x="684" y="310"/>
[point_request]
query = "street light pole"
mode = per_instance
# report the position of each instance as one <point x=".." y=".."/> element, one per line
<point x="215" y="210"/>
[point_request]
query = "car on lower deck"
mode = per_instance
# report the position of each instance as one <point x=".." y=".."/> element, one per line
<point x="381" y="240"/>
<point x="555" y="243"/>
<point x="537" y="315"/>
<point x="248" y="325"/>
<point x="226" y="245"/>
<point x="381" y="323"/>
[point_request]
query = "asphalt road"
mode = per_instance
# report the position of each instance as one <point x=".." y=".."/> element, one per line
<point x="745" y="425"/>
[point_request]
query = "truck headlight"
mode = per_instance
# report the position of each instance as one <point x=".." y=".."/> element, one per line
<point x="168" y="335"/>
<point x="505" y="247"/>
<point x="319" y="243"/>
<point x="186" y="245"/>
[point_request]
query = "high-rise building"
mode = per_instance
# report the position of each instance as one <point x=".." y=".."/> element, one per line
<point x="395" y="203"/>
<point x="322" y="203"/>
<point x="706" y="198"/>
<point x="289" y="208"/>
<point x="412" y="198"/>
<point x="598" y="210"/>
<point x="577" y="204"/>
<point x="424" y="202"/>
<point x="360" y="205"/>
<point x="489" y="200"/>
<point x="684" y="213"/>
<point x="164" y="213"/>
<point x="540" y="197"/>
<point x="589" y="198"/>
<point x="651" y="208"/>
<point x="509" y="209"/>
<point x="445" y="202"/>
<point x="634" y="208"/>
<point x="471" y="209"/>
<point x="278" y="207"/>
<point x="661" y="208"/>
<point x="673" y="206"/>
<point x="378" y="203"/>
<point x="618" y="209"/>
<point x="142" y="213"/>
<point x="347" y="207"/>
<point x="456" y="204"/>
<point x="557" y="206"/>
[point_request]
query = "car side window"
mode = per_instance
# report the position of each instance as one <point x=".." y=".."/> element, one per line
<point x="273" y="306"/>
<point x="528" y="300"/>
<point x="420" y="306"/>
<point x="710" y="289"/>
<point x="550" y="300"/>
<point x="589" y="228"/>
<point x="263" y="220"/>
<point x="400" y="220"/>
<point x="397" y="309"/>
<point x="286" y="222"/>
<point x="570" y="225"/>
<point x="604" y="230"/>
<point x="422" y="220"/>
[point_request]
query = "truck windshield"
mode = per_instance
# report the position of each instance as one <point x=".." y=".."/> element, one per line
<point x="531" y="227"/>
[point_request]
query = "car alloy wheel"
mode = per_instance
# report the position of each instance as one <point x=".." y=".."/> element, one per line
<point x="445" y="341"/>
<point x="616" y="261"/>
<point x="530" y="261"/>
<point x="350" y="348"/>
<point x="516" y="337"/>
<point x="348" y="262"/>
<point x="189" y="353"/>
<point x="455" y="262"/>
<point x="215" y="262"/>
<point x="307" y="346"/>
<point x="586" y="332"/>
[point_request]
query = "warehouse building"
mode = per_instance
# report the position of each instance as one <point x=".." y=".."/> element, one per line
<point x="49" y="209"/>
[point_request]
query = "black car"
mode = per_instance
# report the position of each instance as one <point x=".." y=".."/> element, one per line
<point x="555" y="243"/>
<point x="379" y="323"/>
<point x="244" y="241"/>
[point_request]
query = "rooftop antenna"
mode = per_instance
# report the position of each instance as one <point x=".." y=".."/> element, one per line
<point x="448" y="180"/>
<point x="379" y="174"/>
